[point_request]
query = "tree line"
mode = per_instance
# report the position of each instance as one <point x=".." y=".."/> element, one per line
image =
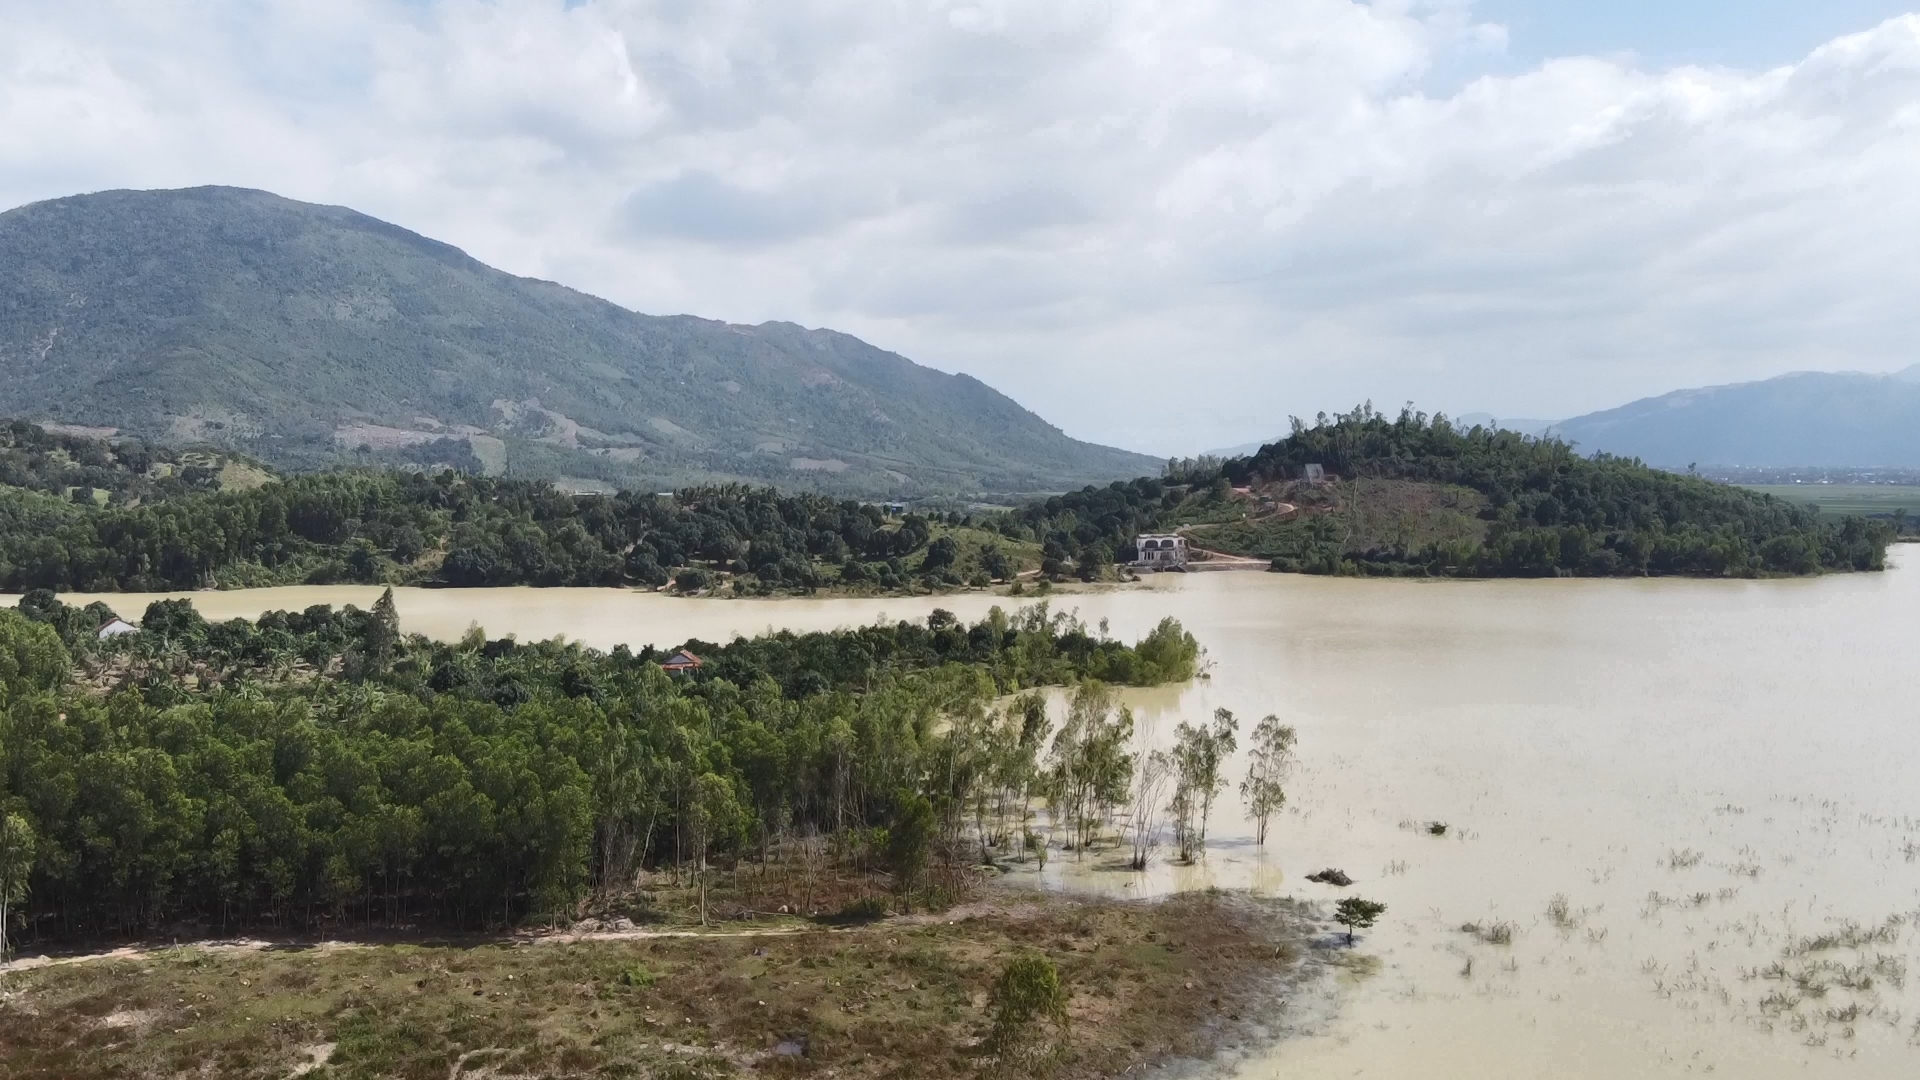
<point x="370" y="527"/>
<point x="321" y="768"/>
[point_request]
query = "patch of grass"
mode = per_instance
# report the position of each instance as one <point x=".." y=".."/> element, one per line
<point x="240" y="476"/>
<point x="1144" y="982"/>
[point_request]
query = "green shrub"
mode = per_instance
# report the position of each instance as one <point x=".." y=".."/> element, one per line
<point x="1027" y="993"/>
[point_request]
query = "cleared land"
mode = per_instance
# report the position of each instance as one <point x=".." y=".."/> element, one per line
<point x="906" y="997"/>
<point x="1298" y="521"/>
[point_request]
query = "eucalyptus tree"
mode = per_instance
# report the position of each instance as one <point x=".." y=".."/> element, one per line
<point x="712" y="813"/>
<point x="16" y="866"/>
<point x="1199" y="754"/>
<point x="1268" y="761"/>
<point x="1090" y="767"/>
<point x="1017" y="767"/>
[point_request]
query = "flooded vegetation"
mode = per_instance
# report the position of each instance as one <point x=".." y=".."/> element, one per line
<point x="1622" y="828"/>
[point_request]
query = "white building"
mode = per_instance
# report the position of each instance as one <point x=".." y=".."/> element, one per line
<point x="115" y="627"/>
<point x="1161" y="551"/>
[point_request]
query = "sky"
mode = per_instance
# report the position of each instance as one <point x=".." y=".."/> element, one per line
<point x="1162" y="224"/>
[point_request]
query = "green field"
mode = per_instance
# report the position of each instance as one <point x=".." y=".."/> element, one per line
<point x="1870" y="500"/>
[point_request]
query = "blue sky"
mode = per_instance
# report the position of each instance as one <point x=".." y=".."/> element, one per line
<point x="1735" y="33"/>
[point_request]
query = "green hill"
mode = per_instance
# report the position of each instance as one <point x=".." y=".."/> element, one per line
<point x="311" y="335"/>
<point x="1419" y="496"/>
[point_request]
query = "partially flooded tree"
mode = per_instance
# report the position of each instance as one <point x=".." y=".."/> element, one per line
<point x="1091" y="770"/>
<point x="1143" y="812"/>
<point x="1268" y="762"/>
<point x="1357" y="914"/>
<point x="1199" y="755"/>
<point x="1017" y="766"/>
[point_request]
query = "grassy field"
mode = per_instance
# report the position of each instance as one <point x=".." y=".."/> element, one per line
<point x="1867" y="500"/>
<point x="900" y="998"/>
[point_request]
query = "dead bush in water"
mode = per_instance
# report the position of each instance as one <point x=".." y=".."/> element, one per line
<point x="1492" y="933"/>
<point x="1561" y="914"/>
<point x="1685" y="859"/>
<point x="1849" y="935"/>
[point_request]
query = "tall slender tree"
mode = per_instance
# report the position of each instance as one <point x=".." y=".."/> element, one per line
<point x="16" y="864"/>
<point x="1268" y="761"/>
<point x="1200" y="754"/>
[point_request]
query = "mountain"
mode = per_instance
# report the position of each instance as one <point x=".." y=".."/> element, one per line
<point x="1839" y="419"/>
<point x="306" y="335"/>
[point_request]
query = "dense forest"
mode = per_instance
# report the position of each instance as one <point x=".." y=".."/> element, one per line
<point x="447" y="528"/>
<point x="319" y="766"/>
<point x="1085" y="531"/>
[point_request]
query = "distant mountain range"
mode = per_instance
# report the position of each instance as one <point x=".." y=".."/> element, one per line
<point x="308" y="335"/>
<point x="1838" y="419"/>
<point x="1843" y="419"/>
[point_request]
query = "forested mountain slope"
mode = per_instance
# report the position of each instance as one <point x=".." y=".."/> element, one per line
<point x="1817" y="418"/>
<point x="307" y="335"/>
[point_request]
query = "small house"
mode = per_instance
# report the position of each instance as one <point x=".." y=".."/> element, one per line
<point x="1313" y="474"/>
<point x="1161" y="551"/>
<point x="681" y="661"/>
<point x="116" y="627"/>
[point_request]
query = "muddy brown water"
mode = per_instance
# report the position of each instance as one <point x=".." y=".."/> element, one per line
<point x="1720" y="781"/>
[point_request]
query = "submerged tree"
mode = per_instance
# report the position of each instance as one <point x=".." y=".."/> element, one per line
<point x="1268" y="762"/>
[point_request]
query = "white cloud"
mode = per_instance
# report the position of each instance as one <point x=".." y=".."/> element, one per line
<point x="1162" y="224"/>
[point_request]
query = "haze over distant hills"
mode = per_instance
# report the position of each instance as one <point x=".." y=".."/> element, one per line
<point x="311" y="334"/>
<point x="1840" y="419"/>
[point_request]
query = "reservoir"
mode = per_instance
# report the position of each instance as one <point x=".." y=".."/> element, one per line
<point x="1682" y="817"/>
